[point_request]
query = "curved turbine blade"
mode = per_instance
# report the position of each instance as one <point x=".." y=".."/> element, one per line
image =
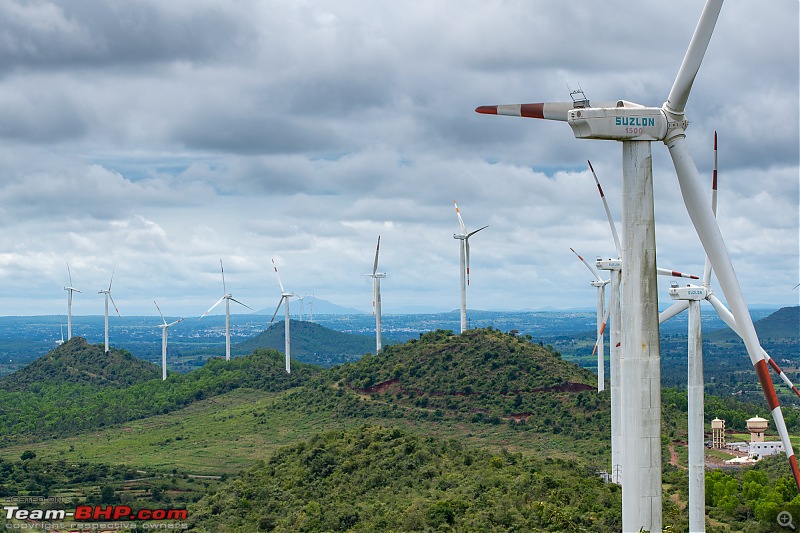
<point x="679" y="94"/>
<point x="160" y="313"/>
<point x="674" y="273"/>
<point x="592" y="269"/>
<point x="213" y="306"/>
<point x="466" y="247"/>
<point x="608" y="212"/>
<point x="112" y="279"/>
<point x="69" y="273"/>
<point x="377" y="249"/>
<point x="460" y="220"/>
<point x="279" y="278"/>
<point x="240" y="303"/>
<point x="544" y="110"/>
<point x="707" y="229"/>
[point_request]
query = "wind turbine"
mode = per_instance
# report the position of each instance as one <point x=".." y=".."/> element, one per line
<point x="70" y="289"/>
<point x="228" y="298"/>
<point x="376" y="296"/>
<point x="107" y="293"/>
<point x="164" y="332"/>
<point x="636" y="126"/>
<point x="464" y="257"/>
<point x="600" y="285"/>
<point x="284" y="296"/>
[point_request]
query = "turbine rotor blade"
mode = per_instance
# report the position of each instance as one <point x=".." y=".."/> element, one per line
<point x="377" y="249"/>
<point x="279" y="277"/>
<point x="675" y="273"/>
<point x="160" y="313"/>
<point x="674" y="309"/>
<point x="608" y="212"/>
<point x="460" y="220"/>
<point x="240" y="303"/>
<point x="69" y="273"/>
<point x="476" y="231"/>
<point x="173" y="323"/>
<point x="592" y="269"/>
<point x="213" y="306"/>
<point x="707" y="229"/>
<point x="543" y="110"/>
<point x="707" y="265"/>
<point x="277" y="309"/>
<point x="679" y="94"/>
<point x="112" y="279"/>
<point x="224" y="288"/>
<point x="114" y="304"/>
<point x="611" y="304"/>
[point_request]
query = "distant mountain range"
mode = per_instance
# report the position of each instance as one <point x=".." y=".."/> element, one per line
<point x="782" y="325"/>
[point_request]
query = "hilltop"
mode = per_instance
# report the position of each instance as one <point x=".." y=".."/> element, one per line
<point x="311" y="343"/>
<point x="79" y="362"/>
<point x="781" y="326"/>
<point x="483" y="375"/>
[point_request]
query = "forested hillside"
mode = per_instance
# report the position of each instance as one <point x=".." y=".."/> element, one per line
<point x="379" y="479"/>
<point x="56" y="404"/>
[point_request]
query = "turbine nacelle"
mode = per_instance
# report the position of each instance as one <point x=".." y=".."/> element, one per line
<point x="608" y="264"/>
<point x="688" y="292"/>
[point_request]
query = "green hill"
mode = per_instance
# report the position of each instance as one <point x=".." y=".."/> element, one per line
<point x="311" y="343"/>
<point x="484" y="375"/>
<point x="379" y="479"/>
<point x="78" y="362"/>
<point x="781" y="326"/>
<point x="53" y="406"/>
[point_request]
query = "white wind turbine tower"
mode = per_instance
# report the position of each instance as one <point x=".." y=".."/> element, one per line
<point x="376" y="296"/>
<point x="612" y="317"/>
<point x="228" y="298"/>
<point x="164" y="333"/>
<point x="636" y="126"/>
<point x="107" y="293"/>
<point x="70" y="289"/>
<point x="600" y="285"/>
<point x="284" y="296"/>
<point x="464" y="258"/>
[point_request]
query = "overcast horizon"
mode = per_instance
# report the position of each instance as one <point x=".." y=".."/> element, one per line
<point x="153" y="139"/>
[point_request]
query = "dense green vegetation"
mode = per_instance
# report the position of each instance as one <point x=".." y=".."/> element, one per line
<point x="311" y="343"/>
<point x="61" y="406"/>
<point x="379" y="479"/>
<point x="480" y="431"/>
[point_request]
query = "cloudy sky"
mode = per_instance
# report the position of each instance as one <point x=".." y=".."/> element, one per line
<point x="155" y="138"/>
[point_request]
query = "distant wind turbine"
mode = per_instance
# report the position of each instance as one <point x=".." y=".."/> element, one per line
<point x="107" y="293"/>
<point x="284" y="296"/>
<point x="164" y="332"/>
<point x="376" y="296"/>
<point x="60" y="342"/>
<point x="228" y="298"/>
<point x="464" y="262"/>
<point x="70" y="289"/>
